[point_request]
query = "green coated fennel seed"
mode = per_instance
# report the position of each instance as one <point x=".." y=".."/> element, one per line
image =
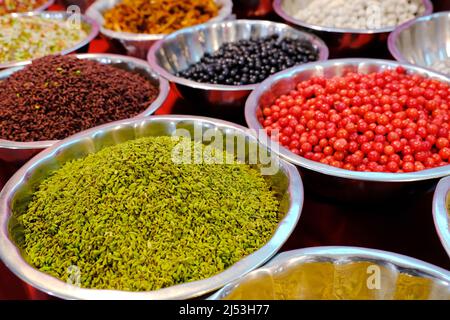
<point x="131" y="219"/>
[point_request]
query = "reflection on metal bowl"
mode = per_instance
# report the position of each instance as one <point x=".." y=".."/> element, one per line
<point x="16" y="195"/>
<point x="342" y="42"/>
<point x="441" y="212"/>
<point x="252" y="8"/>
<point x="185" y="47"/>
<point x="341" y="273"/>
<point x="137" y="45"/>
<point x="331" y="182"/>
<point x="82" y="4"/>
<point x="14" y="154"/>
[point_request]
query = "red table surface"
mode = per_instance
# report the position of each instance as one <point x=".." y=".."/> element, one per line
<point x="404" y="227"/>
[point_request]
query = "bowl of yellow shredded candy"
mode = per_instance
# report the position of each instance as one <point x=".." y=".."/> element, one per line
<point x="136" y="24"/>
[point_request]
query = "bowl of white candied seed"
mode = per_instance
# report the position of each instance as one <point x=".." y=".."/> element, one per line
<point x="352" y="28"/>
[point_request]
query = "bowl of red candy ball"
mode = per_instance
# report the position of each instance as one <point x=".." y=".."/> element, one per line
<point x="358" y="129"/>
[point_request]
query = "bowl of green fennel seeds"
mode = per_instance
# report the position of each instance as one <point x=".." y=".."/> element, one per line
<point x="165" y="207"/>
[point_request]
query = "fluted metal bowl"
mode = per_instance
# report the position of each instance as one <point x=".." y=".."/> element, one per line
<point x="441" y="213"/>
<point x="90" y="26"/>
<point x="342" y="42"/>
<point x="341" y="273"/>
<point x="14" y="154"/>
<point x="423" y="41"/>
<point x="185" y="47"/>
<point x="17" y="193"/>
<point x="329" y="181"/>
<point x="138" y="44"/>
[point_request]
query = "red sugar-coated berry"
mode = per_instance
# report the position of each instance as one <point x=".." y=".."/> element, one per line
<point x="389" y="150"/>
<point x="408" y="167"/>
<point x="392" y="166"/>
<point x="373" y="156"/>
<point x="287" y="131"/>
<point x="284" y="140"/>
<point x="442" y="143"/>
<point x="389" y="121"/>
<point x="444" y="153"/>
<point x="267" y="112"/>
<point x="306" y="147"/>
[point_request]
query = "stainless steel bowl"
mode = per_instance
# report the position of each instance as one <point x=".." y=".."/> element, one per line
<point x="341" y="273"/>
<point x="136" y="44"/>
<point x="342" y="42"/>
<point x="185" y="47"/>
<point x="89" y="25"/>
<point x="423" y="41"/>
<point x="441" y="214"/>
<point x="14" y="154"/>
<point x="332" y="182"/>
<point x="18" y="191"/>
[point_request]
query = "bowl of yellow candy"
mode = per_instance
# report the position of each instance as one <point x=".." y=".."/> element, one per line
<point x="341" y="273"/>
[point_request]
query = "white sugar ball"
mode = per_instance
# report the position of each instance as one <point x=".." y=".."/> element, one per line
<point x="359" y="14"/>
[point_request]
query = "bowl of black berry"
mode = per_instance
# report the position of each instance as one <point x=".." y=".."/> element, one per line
<point x="218" y="64"/>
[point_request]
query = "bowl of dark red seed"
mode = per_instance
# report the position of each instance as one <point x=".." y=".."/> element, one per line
<point x="217" y="65"/>
<point x="357" y="28"/>
<point x="30" y="35"/>
<point x="358" y="129"/>
<point x="57" y="96"/>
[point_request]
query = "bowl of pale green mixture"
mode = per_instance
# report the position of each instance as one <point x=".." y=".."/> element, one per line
<point x="26" y="36"/>
<point x="166" y="207"/>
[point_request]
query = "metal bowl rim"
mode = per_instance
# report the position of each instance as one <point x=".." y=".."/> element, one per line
<point x="51" y="14"/>
<point x="440" y="214"/>
<point x="342" y="252"/>
<point x="45" y="6"/>
<point x="129" y="36"/>
<point x="395" y="34"/>
<point x="11" y="257"/>
<point x="151" y="57"/>
<point x="282" y="13"/>
<point x="252" y="104"/>
<point x="164" y="89"/>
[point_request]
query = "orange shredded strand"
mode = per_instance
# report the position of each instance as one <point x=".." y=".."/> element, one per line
<point x="158" y="16"/>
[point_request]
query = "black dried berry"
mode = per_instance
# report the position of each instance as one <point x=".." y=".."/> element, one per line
<point x="250" y="61"/>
